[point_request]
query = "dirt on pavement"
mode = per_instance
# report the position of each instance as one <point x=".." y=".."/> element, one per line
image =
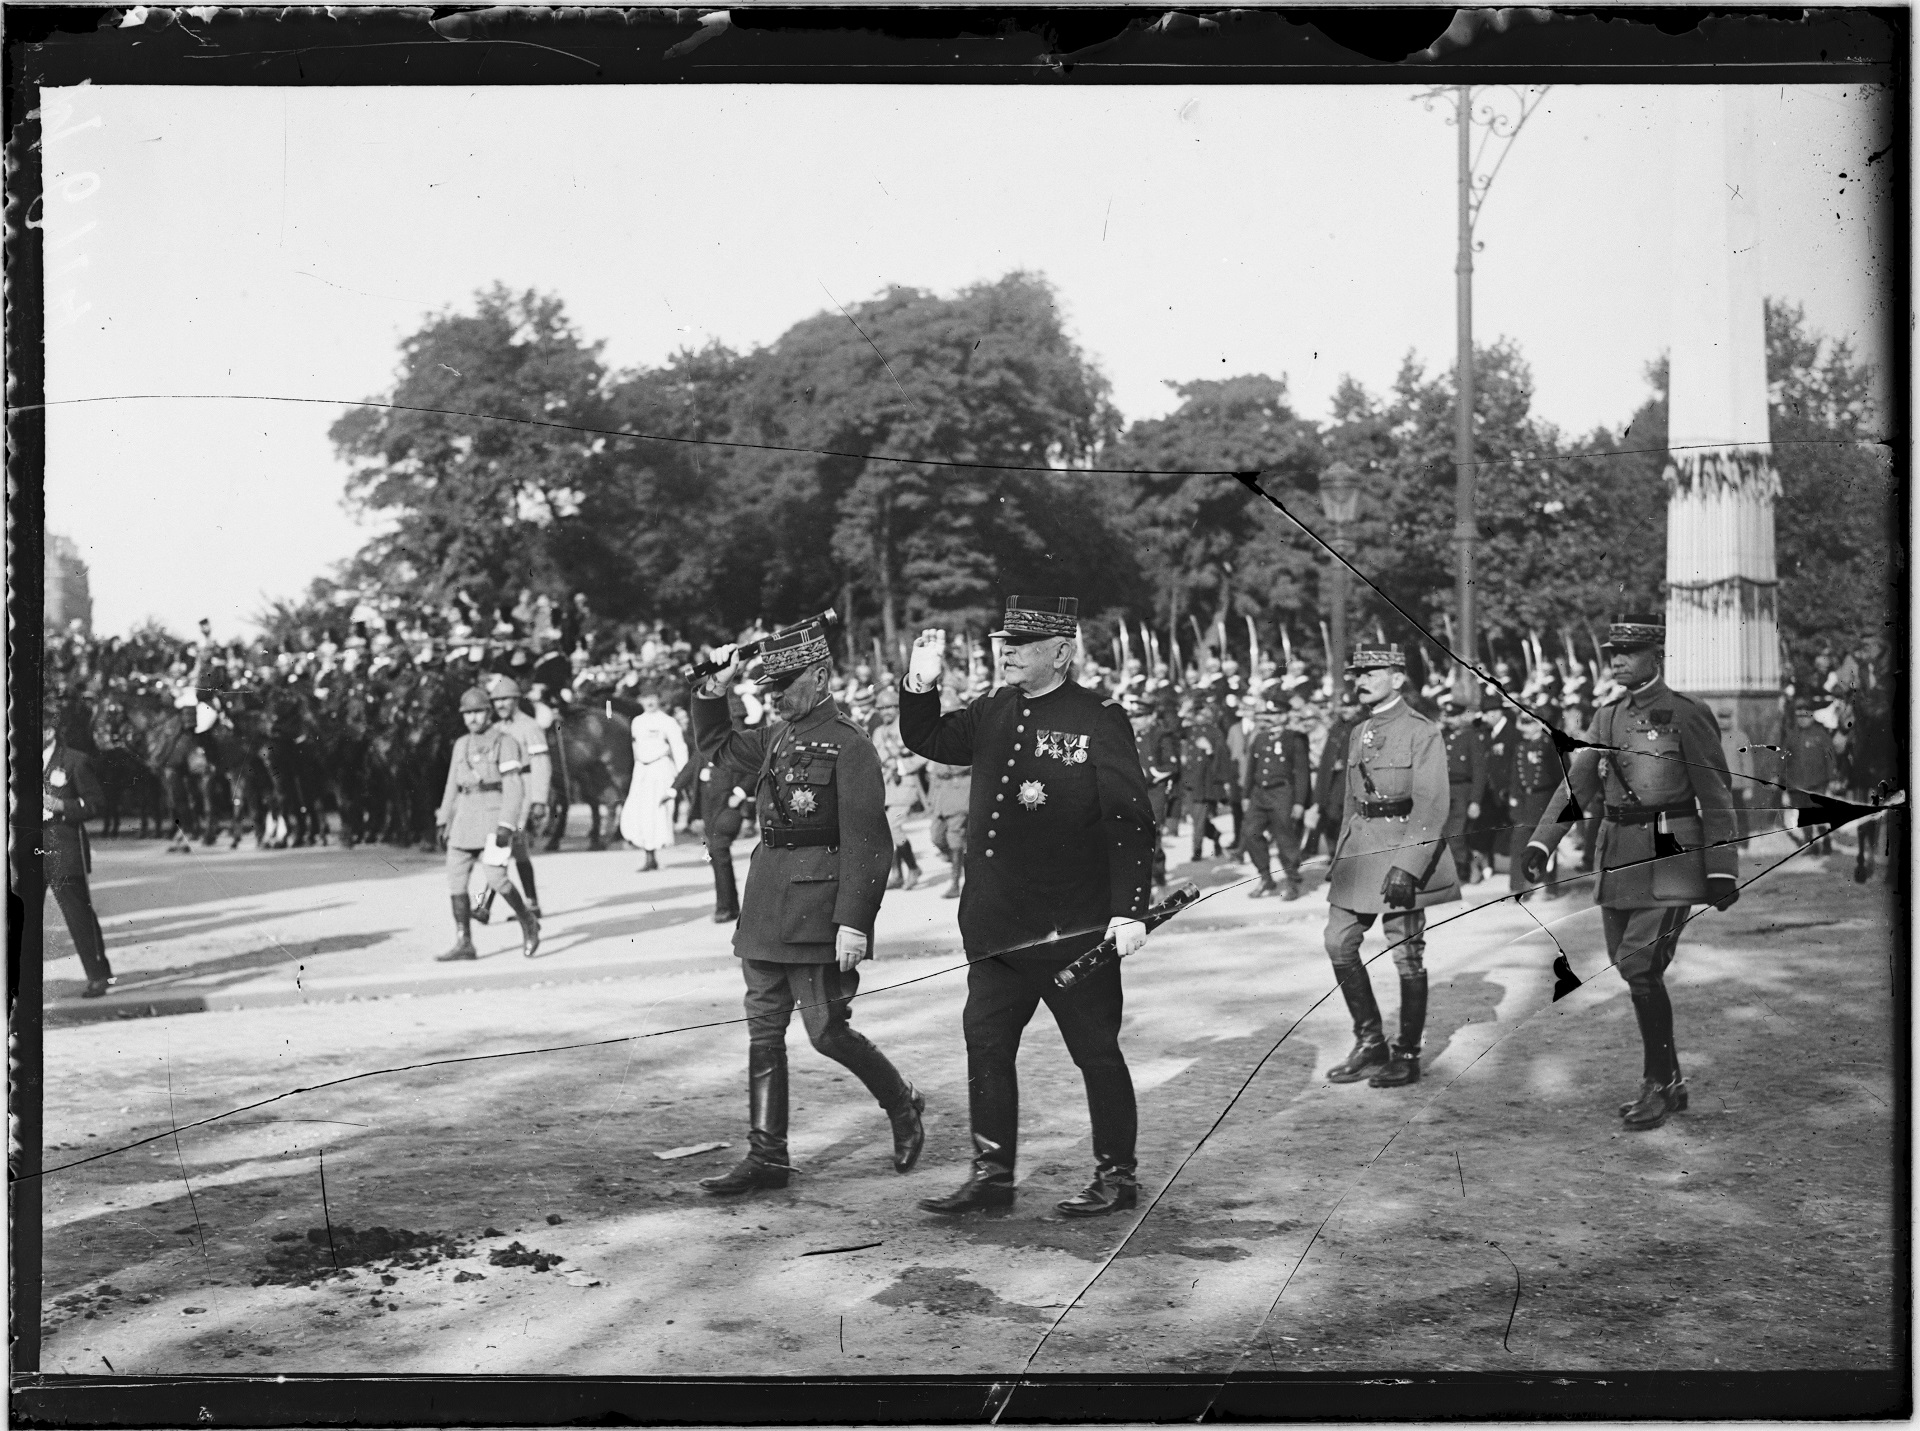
<point x="1494" y="1216"/>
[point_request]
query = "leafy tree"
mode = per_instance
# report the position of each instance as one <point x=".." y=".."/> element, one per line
<point x="479" y="504"/>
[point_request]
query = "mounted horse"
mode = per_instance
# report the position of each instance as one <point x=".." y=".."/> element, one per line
<point x="592" y="765"/>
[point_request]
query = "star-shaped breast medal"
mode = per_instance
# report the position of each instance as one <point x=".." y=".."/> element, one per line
<point x="803" y="802"/>
<point x="1032" y="794"/>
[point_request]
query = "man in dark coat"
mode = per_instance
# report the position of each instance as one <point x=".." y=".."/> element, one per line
<point x="1658" y="770"/>
<point x="1161" y="753"/>
<point x="1392" y="859"/>
<point x="1277" y="776"/>
<point x="1059" y="858"/>
<point x="1206" y="775"/>
<point x="69" y="797"/>
<point x="1537" y="770"/>
<point x="1811" y="768"/>
<point x="1466" y="777"/>
<point x="1330" y="780"/>
<point x="813" y="890"/>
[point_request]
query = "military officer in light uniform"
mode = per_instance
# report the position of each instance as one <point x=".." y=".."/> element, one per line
<point x="485" y="798"/>
<point x="1392" y="859"/>
<point x="1657" y="769"/>
<point x="504" y="692"/>
<point x="813" y="890"/>
<point x="1059" y="856"/>
<point x="1277" y="775"/>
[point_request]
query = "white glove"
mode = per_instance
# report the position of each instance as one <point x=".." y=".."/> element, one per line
<point x="1312" y="820"/>
<point x="850" y="945"/>
<point x="928" y="660"/>
<point x="1127" y="934"/>
<point x="716" y="685"/>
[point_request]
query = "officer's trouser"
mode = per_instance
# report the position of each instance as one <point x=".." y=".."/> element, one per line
<point x="824" y="997"/>
<point x="460" y="865"/>
<point x="1641" y="944"/>
<point x="722" y="823"/>
<point x="1002" y="995"/>
<point x="1269" y="812"/>
<point x="83" y="925"/>
<point x="1406" y="936"/>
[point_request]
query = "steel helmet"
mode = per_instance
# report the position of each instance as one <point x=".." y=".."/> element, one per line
<point x="502" y="688"/>
<point x="475" y="699"/>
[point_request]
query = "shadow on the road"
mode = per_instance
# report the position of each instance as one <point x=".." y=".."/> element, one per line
<point x="227" y="969"/>
<point x="133" y="876"/>
<point x="58" y="944"/>
<point x="646" y="896"/>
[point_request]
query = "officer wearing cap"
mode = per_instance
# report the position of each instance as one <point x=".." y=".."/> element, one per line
<point x="1392" y="859"/>
<point x="481" y="810"/>
<point x="813" y="890"/>
<point x="1277" y="775"/>
<point x="1059" y="857"/>
<point x="69" y="797"/>
<point x="504" y="692"/>
<point x="1537" y="772"/>
<point x="1657" y="767"/>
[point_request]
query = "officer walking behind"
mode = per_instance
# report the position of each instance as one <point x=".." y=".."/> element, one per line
<point x="1160" y="753"/>
<point x="1276" y="774"/>
<point x="1537" y="772"/>
<point x="1666" y="839"/>
<point x="481" y="810"/>
<point x="504" y="692"/>
<point x="1466" y="777"/>
<point x="1811" y="769"/>
<point x="949" y="791"/>
<point x="1330" y="780"/>
<point x="813" y="889"/>
<point x="1393" y="859"/>
<point x="69" y="797"/>
<point x="723" y="805"/>
<point x="1060" y="858"/>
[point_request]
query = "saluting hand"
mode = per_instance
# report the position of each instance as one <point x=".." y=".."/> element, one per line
<point x="928" y="659"/>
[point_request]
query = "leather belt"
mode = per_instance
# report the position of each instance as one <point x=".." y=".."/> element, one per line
<point x="1647" y="814"/>
<point x="793" y="839"/>
<point x="483" y="785"/>
<point x="1386" y="809"/>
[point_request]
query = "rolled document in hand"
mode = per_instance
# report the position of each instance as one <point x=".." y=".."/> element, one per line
<point x="1105" y="953"/>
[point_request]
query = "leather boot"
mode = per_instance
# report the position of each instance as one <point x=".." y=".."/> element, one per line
<point x="483" y="911"/>
<point x="529" y="924"/>
<point x="765" y="1165"/>
<point x="527" y="886"/>
<point x="1369" y="1048"/>
<point x="1113" y="1189"/>
<point x="1653" y="1107"/>
<point x="959" y="859"/>
<point x="1404" y="1065"/>
<point x="909" y="1131"/>
<point x="463" y="944"/>
<point x="989" y="1183"/>
<point x="726" y="892"/>
<point x="1661" y="1065"/>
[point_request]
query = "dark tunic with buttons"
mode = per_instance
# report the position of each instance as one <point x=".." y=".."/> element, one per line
<point x="819" y="777"/>
<point x="1060" y="832"/>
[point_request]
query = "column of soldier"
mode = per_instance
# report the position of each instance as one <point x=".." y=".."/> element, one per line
<point x="1056" y="796"/>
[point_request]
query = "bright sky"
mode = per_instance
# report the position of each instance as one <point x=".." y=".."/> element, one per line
<point x="283" y="242"/>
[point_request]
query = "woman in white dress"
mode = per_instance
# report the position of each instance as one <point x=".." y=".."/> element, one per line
<point x="659" y="750"/>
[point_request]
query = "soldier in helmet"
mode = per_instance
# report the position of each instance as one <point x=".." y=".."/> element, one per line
<point x="1392" y="859"/>
<point x="1658" y="770"/>
<point x="504" y="692"/>
<point x="480" y="813"/>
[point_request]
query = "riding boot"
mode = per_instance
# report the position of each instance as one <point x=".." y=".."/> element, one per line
<point x="726" y="892"/>
<point x="903" y="1104"/>
<point x="1660" y="1064"/>
<point x="909" y="1129"/>
<point x="1404" y="1066"/>
<point x="1114" y="1189"/>
<point x="529" y="922"/>
<point x="1369" y="1048"/>
<point x="959" y="859"/>
<point x="765" y="1165"/>
<point x="912" y="879"/>
<point x="463" y="945"/>
<point x="524" y="868"/>
<point x="483" y="908"/>
<point x="989" y="1182"/>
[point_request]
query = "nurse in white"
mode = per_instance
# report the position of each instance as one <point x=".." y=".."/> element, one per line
<point x="659" y="752"/>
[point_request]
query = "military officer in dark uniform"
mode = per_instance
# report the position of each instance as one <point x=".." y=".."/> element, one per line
<point x="69" y="797"/>
<point x="1466" y="777"/>
<point x="813" y="889"/>
<point x="1392" y="859"/>
<point x="1330" y="780"/>
<point x="1658" y="770"/>
<point x="1059" y="857"/>
<point x="1537" y="771"/>
<point x="1160" y="753"/>
<point x="1278" y="779"/>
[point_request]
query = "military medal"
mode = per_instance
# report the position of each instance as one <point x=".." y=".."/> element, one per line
<point x="57" y="778"/>
<point x="1032" y="794"/>
<point x="803" y="802"/>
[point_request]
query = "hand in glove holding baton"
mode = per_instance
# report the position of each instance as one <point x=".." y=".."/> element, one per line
<point x="721" y="681"/>
<point x="928" y="659"/>
<point x="1127" y="935"/>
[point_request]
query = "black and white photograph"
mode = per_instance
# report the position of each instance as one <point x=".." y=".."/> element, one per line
<point x="862" y="729"/>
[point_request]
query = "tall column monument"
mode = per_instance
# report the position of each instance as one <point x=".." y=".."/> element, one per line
<point x="1722" y="642"/>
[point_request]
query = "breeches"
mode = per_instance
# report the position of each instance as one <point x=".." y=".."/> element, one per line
<point x="460" y="865"/>
<point x="1002" y="995"/>
<point x="1405" y="930"/>
<point x="1261" y="818"/>
<point x="825" y="999"/>
<point x="1642" y="942"/>
<point x="948" y="833"/>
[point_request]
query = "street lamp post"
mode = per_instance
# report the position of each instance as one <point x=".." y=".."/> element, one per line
<point x="1340" y="500"/>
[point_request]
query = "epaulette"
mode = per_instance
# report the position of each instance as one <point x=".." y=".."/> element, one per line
<point x="842" y="718"/>
<point x="1621" y="694"/>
